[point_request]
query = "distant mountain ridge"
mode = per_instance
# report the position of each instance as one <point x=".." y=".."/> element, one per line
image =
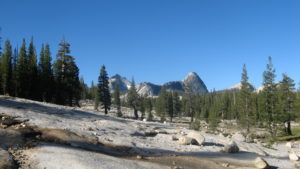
<point x="192" y="80"/>
<point x="237" y="87"/>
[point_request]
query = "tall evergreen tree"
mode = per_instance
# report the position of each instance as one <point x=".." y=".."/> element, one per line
<point x="22" y="72"/>
<point x="161" y="104"/>
<point x="189" y="104"/>
<point x="117" y="100"/>
<point x="142" y="106"/>
<point x="6" y="69"/>
<point x="14" y="72"/>
<point x="103" y="90"/>
<point x="149" y="107"/>
<point x="45" y="72"/>
<point x="0" y="58"/>
<point x="66" y="75"/>
<point x="32" y="72"/>
<point x="245" y="100"/>
<point x="133" y="99"/>
<point x="269" y="95"/>
<point x="176" y="103"/>
<point x="93" y="91"/>
<point x="287" y="99"/>
<point x="170" y="106"/>
<point x="84" y="89"/>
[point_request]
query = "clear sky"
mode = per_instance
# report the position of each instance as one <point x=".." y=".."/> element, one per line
<point x="163" y="40"/>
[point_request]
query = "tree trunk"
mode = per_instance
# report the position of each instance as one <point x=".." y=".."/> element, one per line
<point x="136" y="113"/>
<point x="105" y="110"/>
<point x="288" y="128"/>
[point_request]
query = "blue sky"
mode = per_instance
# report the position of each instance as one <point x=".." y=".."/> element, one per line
<point x="163" y="40"/>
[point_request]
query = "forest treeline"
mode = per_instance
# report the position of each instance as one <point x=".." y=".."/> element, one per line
<point x="25" y="73"/>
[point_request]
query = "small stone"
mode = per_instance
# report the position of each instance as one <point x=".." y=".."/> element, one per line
<point x="144" y="120"/>
<point x="139" y="157"/>
<point x="174" y="138"/>
<point x="225" y="164"/>
<point x="260" y="163"/>
<point x="293" y="157"/>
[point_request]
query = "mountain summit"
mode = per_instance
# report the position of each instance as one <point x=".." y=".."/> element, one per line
<point x="192" y="80"/>
<point x="124" y="84"/>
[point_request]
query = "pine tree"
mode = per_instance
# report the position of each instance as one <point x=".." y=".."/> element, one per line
<point x="45" y="73"/>
<point x="32" y="72"/>
<point x="14" y="72"/>
<point x="6" y="69"/>
<point x="117" y="100"/>
<point x="213" y="118"/>
<point x="287" y="99"/>
<point x="103" y="90"/>
<point x="84" y="89"/>
<point x="269" y="95"/>
<point x="170" y="106"/>
<point x="93" y="91"/>
<point x="245" y="101"/>
<point x="149" y="107"/>
<point x="0" y="59"/>
<point x="161" y="104"/>
<point x="66" y="75"/>
<point x="22" y="73"/>
<point x="142" y="107"/>
<point x="176" y="103"/>
<point x="133" y="99"/>
<point x="189" y="104"/>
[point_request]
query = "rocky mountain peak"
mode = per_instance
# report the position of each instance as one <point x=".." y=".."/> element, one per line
<point x="123" y="83"/>
<point x="191" y="75"/>
<point x="193" y="81"/>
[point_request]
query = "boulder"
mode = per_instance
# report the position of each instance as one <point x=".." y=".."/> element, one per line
<point x="289" y="145"/>
<point x="261" y="163"/>
<point x="197" y="136"/>
<point x="293" y="157"/>
<point x="238" y="137"/>
<point x="184" y="140"/>
<point x="150" y="133"/>
<point x="231" y="147"/>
